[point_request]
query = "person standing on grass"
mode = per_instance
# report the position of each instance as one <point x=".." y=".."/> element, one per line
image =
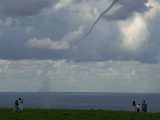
<point x="144" y="106"/>
<point x="16" y="106"/>
<point x="134" y="106"/>
<point x="138" y="107"/>
<point x="20" y="102"/>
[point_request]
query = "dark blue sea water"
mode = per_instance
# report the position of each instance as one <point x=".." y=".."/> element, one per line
<point x="108" y="101"/>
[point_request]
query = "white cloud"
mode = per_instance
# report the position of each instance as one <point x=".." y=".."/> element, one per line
<point x="58" y="63"/>
<point x="7" y="22"/>
<point x="135" y="31"/>
<point x="61" y="76"/>
<point x="64" y="43"/>
<point x="29" y="29"/>
<point x="4" y="62"/>
<point x="55" y="25"/>
<point x="62" y="4"/>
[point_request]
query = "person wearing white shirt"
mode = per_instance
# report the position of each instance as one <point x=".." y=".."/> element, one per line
<point x="138" y="106"/>
<point x="20" y="104"/>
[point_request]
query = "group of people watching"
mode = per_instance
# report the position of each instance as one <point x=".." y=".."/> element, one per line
<point x="18" y="105"/>
<point x="135" y="107"/>
<point x="139" y="107"/>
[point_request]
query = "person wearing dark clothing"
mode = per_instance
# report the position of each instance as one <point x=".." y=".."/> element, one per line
<point x="144" y="106"/>
<point x="134" y="106"/>
<point x="133" y="103"/>
<point x="16" y="106"/>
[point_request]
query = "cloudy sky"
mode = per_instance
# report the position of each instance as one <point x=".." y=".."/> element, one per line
<point x="41" y="46"/>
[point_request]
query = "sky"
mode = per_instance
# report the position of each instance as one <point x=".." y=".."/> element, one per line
<point x="41" y="49"/>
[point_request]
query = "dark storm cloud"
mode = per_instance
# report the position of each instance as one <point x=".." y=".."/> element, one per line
<point x="23" y="7"/>
<point x="104" y="43"/>
<point x="127" y="8"/>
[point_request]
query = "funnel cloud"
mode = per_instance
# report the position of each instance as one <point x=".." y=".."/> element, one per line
<point x="53" y="28"/>
<point x="99" y="17"/>
<point x="37" y="38"/>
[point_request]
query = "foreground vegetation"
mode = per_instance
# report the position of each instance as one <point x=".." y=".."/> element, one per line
<point x="59" y="114"/>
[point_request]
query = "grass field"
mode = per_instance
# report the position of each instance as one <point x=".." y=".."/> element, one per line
<point x="59" y="114"/>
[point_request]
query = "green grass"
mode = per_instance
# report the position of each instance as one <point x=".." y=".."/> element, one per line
<point x="60" y="114"/>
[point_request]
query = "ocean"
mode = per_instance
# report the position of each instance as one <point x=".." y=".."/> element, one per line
<point x="75" y="100"/>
